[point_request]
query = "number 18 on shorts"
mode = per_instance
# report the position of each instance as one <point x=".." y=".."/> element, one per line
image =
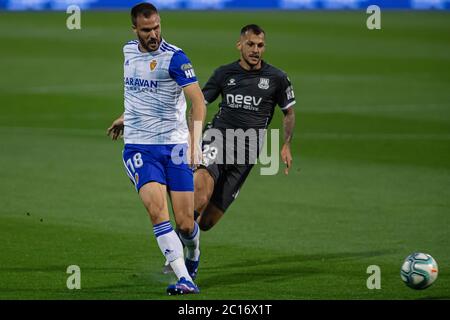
<point x="153" y="163"/>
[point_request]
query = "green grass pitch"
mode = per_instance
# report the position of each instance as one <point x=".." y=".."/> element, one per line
<point x="370" y="182"/>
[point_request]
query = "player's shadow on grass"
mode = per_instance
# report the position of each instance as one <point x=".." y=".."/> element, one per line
<point x="279" y="268"/>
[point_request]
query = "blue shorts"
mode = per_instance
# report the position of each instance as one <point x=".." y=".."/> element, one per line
<point x="154" y="163"/>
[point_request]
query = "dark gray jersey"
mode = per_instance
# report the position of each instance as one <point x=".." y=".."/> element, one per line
<point x="248" y="97"/>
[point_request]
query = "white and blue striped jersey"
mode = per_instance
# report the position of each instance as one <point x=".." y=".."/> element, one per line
<point x="155" y="105"/>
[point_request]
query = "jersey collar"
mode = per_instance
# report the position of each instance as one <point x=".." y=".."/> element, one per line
<point x="156" y="52"/>
<point x="263" y="65"/>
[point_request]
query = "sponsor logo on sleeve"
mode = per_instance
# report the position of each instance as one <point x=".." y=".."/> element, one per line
<point x="186" y="66"/>
<point x="188" y="70"/>
<point x="290" y="93"/>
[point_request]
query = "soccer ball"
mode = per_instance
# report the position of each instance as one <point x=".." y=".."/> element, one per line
<point x="419" y="270"/>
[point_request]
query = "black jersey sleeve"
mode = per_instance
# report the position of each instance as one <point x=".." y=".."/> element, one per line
<point x="286" y="97"/>
<point x="212" y="88"/>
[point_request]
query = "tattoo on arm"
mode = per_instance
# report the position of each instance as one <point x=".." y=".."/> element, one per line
<point x="288" y="125"/>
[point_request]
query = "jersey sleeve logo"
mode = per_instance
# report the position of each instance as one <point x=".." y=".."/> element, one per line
<point x="186" y="66"/>
<point x="188" y="70"/>
<point x="290" y="93"/>
<point x="153" y="64"/>
<point x="263" y="83"/>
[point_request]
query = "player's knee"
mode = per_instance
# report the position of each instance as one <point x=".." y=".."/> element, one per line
<point x="154" y="209"/>
<point x="203" y="187"/>
<point x="185" y="224"/>
<point x="185" y="228"/>
<point x="201" y="195"/>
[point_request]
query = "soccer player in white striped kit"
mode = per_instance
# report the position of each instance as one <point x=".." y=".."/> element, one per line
<point x="160" y="149"/>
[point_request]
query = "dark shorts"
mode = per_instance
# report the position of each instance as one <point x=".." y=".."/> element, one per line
<point x="228" y="180"/>
<point x="228" y="174"/>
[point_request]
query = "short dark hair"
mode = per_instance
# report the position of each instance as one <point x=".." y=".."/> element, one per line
<point x="144" y="8"/>
<point x="253" y="28"/>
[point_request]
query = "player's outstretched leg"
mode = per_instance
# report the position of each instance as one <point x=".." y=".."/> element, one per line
<point x="204" y="188"/>
<point x="183" y="209"/>
<point x="171" y="247"/>
<point x="192" y="254"/>
<point x="153" y="196"/>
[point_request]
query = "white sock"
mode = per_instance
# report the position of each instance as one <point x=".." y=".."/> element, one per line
<point x="192" y="243"/>
<point x="171" y="247"/>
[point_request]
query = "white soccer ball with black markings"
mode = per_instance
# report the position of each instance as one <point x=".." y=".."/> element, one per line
<point x="419" y="270"/>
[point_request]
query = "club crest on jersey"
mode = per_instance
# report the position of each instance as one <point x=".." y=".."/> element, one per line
<point x="153" y="64"/>
<point x="263" y="83"/>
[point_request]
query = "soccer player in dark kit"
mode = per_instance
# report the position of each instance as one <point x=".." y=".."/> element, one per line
<point x="250" y="89"/>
